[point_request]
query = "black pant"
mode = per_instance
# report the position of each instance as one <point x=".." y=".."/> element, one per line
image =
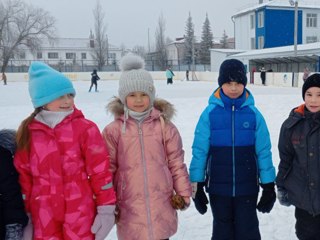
<point x="169" y="80"/>
<point x="307" y="225"/>
<point x="95" y="84"/>
<point x="235" y="218"/>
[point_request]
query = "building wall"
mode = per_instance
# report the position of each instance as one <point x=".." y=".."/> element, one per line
<point x="62" y="47"/>
<point x="277" y="35"/>
<point x="311" y="31"/>
<point x="243" y="32"/>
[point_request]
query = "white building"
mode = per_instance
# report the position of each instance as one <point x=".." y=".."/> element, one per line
<point x="67" y="54"/>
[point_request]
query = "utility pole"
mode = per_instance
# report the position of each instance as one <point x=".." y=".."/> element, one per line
<point x="295" y="27"/>
<point x="148" y="41"/>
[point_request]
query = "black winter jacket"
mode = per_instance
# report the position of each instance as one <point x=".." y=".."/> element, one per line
<point x="299" y="167"/>
<point x="11" y="204"/>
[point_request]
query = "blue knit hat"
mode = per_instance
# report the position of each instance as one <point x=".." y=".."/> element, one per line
<point x="46" y="84"/>
<point x="232" y="70"/>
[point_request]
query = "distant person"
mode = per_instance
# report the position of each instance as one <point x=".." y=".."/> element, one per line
<point x="306" y="73"/>
<point x="63" y="163"/>
<point x="187" y="75"/>
<point x="252" y="76"/>
<point x="231" y="158"/>
<point x="146" y="157"/>
<point x="263" y="76"/>
<point x="13" y="217"/>
<point x="298" y="180"/>
<point x="94" y="80"/>
<point x="169" y="75"/>
<point x="4" y="78"/>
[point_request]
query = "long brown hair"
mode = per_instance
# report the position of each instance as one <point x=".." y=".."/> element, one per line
<point x="23" y="133"/>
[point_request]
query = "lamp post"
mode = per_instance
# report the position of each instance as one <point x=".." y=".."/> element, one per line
<point x="295" y="34"/>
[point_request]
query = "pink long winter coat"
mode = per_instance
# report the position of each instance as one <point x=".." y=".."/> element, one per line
<point x="144" y="180"/>
<point x="66" y="168"/>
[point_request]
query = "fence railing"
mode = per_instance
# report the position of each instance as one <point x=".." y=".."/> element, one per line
<point x="16" y="66"/>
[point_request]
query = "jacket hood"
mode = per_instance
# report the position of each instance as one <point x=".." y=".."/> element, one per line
<point x="8" y="139"/>
<point x="215" y="98"/>
<point x="167" y="109"/>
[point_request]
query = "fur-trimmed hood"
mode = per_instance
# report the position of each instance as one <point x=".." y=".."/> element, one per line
<point x="8" y="139"/>
<point x="167" y="109"/>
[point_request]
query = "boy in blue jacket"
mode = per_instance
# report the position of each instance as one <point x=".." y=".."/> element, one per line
<point x="232" y="157"/>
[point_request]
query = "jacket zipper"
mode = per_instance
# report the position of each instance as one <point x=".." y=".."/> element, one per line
<point x="233" y="160"/>
<point x="145" y="179"/>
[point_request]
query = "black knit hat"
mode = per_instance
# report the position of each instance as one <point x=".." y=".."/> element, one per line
<point x="232" y="70"/>
<point x="312" y="81"/>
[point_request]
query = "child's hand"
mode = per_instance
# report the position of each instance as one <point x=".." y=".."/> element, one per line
<point x="180" y="203"/>
<point x="187" y="202"/>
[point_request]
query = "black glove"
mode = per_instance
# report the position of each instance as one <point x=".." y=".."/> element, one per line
<point x="199" y="197"/>
<point x="282" y="195"/>
<point x="267" y="199"/>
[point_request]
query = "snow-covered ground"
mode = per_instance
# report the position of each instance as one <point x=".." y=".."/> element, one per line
<point x="189" y="98"/>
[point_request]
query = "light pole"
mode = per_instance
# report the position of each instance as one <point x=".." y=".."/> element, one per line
<point x="295" y="34"/>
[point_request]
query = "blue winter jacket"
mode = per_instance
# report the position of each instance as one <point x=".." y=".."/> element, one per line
<point x="231" y="149"/>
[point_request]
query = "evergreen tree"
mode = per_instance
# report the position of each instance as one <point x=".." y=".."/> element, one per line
<point x="189" y="40"/>
<point x="224" y="40"/>
<point x="206" y="42"/>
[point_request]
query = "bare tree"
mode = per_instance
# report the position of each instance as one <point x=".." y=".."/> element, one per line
<point x="140" y="50"/>
<point x="160" y="43"/>
<point x="101" y="46"/>
<point x="22" y="24"/>
<point x="123" y="49"/>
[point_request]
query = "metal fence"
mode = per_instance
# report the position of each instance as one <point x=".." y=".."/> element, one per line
<point x="88" y="65"/>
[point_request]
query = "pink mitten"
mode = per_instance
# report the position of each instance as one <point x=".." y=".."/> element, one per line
<point x="28" y="230"/>
<point x="103" y="222"/>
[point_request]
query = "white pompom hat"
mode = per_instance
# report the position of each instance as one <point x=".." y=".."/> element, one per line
<point x="134" y="78"/>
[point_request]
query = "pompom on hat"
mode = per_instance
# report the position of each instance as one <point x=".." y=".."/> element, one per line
<point x="312" y="81"/>
<point x="232" y="70"/>
<point x="134" y="78"/>
<point x="47" y="84"/>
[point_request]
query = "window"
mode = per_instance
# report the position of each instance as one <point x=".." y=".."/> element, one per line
<point x="261" y="42"/>
<point x="83" y="56"/>
<point x="252" y="22"/>
<point x="260" y="19"/>
<point x="39" y="55"/>
<point x="22" y="55"/>
<point x="91" y="43"/>
<point x="70" y="55"/>
<point x="53" y="55"/>
<point x="311" y="20"/>
<point x="112" y="55"/>
<point x="253" y="43"/>
<point x="311" y="39"/>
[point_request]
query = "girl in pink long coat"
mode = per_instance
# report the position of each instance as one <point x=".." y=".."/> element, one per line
<point x="146" y="157"/>
<point x="63" y="164"/>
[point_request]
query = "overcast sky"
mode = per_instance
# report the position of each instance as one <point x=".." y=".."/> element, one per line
<point x="128" y="21"/>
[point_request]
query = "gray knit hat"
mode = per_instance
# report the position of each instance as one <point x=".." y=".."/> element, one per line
<point x="134" y="78"/>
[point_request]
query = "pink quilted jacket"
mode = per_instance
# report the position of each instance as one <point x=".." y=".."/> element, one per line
<point x="144" y="180"/>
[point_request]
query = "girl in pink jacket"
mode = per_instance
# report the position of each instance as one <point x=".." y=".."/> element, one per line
<point x="146" y="157"/>
<point x="63" y="164"/>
